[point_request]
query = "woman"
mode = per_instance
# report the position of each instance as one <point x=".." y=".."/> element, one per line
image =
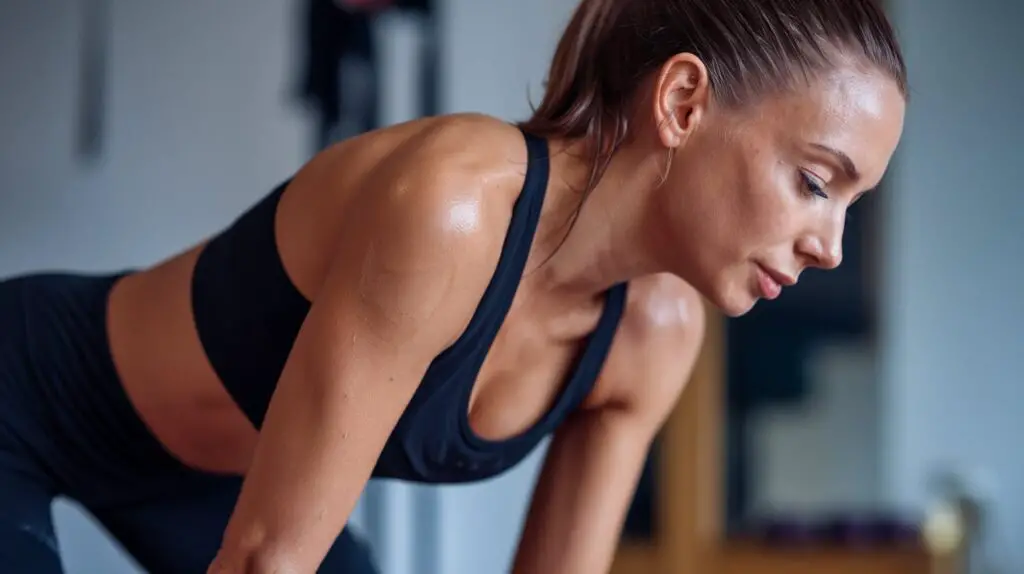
<point x="428" y="301"/>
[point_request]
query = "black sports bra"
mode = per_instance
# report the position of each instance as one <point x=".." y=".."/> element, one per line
<point x="248" y="314"/>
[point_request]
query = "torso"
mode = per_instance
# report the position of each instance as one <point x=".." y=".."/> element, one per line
<point x="176" y="391"/>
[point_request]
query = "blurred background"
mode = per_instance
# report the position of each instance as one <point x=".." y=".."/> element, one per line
<point x="129" y="130"/>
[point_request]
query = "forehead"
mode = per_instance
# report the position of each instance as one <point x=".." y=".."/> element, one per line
<point x="858" y="112"/>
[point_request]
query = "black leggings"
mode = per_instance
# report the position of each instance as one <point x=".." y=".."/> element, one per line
<point x="67" y="428"/>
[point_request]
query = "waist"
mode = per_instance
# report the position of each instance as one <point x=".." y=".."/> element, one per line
<point x="166" y="375"/>
<point x="62" y="394"/>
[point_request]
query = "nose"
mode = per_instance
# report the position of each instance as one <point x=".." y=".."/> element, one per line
<point x="833" y="255"/>
<point x="824" y="250"/>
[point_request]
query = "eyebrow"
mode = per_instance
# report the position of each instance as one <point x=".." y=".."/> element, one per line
<point x="844" y="160"/>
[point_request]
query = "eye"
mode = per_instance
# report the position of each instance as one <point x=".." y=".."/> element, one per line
<point x="812" y="185"/>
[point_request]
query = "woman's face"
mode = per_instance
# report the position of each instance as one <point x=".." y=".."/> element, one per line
<point x="756" y="196"/>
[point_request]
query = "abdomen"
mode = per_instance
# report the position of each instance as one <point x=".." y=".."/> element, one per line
<point x="166" y="373"/>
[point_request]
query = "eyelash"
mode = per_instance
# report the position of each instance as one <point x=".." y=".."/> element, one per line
<point x="812" y="186"/>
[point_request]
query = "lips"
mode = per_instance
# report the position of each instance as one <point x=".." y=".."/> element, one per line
<point x="769" y="287"/>
<point x="780" y="278"/>
<point x="770" y="282"/>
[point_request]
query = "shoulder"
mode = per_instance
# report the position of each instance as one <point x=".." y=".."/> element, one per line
<point x="449" y="178"/>
<point x="464" y="149"/>
<point x="426" y="224"/>
<point x="454" y="177"/>
<point x="655" y="348"/>
<point x="662" y="309"/>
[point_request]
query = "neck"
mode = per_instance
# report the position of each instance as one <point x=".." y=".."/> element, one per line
<point x="609" y="241"/>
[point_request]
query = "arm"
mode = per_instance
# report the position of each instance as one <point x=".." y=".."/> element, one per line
<point x="401" y="288"/>
<point x="595" y="459"/>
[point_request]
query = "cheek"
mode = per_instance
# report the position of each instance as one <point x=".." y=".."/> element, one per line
<point x="731" y="204"/>
<point x="711" y="221"/>
<point x="755" y="206"/>
<point x="771" y="206"/>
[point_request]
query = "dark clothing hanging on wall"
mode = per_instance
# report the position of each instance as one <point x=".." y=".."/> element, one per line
<point x="341" y="77"/>
<point x="430" y="66"/>
<point x="333" y="35"/>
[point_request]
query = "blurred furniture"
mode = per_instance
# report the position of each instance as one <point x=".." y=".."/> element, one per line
<point x="689" y="536"/>
<point x="767" y="353"/>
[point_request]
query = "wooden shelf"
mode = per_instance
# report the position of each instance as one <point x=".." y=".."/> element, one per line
<point x="689" y="536"/>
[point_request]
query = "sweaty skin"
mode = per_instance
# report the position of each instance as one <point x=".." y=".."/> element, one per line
<point x="394" y="236"/>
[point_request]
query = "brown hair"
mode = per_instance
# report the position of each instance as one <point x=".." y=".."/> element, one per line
<point x="751" y="48"/>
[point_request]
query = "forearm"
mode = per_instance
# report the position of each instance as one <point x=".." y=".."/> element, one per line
<point x="546" y="548"/>
<point x="580" y="502"/>
<point x="295" y="498"/>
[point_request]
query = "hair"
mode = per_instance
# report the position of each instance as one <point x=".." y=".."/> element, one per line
<point x="751" y="49"/>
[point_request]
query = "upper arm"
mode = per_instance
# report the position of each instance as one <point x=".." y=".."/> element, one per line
<point x="415" y="253"/>
<point x="410" y="266"/>
<point x="413" y="260"/>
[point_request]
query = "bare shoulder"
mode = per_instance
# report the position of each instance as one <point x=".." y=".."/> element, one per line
<point x="455" y="176"/>
<point x="466" y="142"/>
<point x="459" y="148"/>
<point x="655" y="348"/>
<point x="662" y="309"/>
<point x="425" y="225"/>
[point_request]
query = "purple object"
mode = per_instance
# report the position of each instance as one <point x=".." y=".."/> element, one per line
<point x="849" y="530"/>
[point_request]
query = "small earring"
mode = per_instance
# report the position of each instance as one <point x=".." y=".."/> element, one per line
<point x="668" y="166"/>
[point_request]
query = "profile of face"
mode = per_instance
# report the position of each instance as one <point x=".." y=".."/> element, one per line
<point x="756" y="195"/>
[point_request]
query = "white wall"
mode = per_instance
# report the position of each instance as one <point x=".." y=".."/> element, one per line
<point x="198" y="126"/>
<point x="954" y="316"/>
<point x="198" y="129"/>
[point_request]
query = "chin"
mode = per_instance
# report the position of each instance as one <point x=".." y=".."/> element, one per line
<point x="738" y="310"/>
<point x="732" y="297"/>
<point x="733" y="302"/>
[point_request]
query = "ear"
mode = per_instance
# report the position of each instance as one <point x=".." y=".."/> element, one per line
<point x="682" y="91"/>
